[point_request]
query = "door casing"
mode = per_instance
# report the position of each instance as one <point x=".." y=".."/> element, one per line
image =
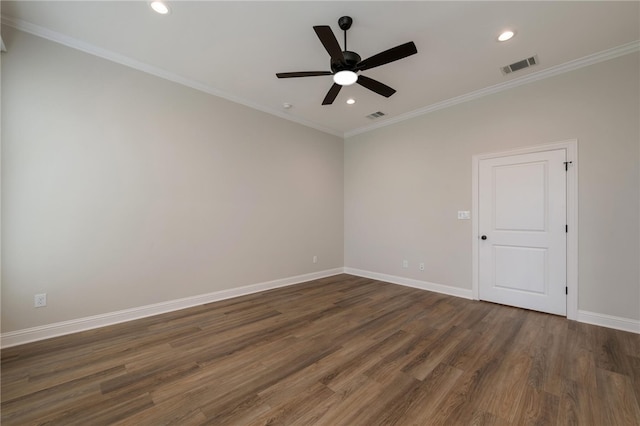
<point x="571" y="147"/>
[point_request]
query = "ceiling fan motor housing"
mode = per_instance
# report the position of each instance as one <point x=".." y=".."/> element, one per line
<point x="351" y="59"/>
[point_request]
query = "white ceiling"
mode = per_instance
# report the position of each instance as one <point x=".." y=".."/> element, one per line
<point x="233" y="49"/>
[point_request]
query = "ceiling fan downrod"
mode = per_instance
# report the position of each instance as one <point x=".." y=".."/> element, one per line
<point x="345" y="23"/>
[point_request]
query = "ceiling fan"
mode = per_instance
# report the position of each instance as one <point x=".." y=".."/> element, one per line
<point x="346" y="64"/>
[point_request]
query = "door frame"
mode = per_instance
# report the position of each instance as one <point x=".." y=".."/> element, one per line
<point x="571" y="148"/>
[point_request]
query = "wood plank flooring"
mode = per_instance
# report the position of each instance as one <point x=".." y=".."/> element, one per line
<point x="342" y="350"/>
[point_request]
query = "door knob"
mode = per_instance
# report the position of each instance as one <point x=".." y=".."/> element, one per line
<point x="484" y="237"/>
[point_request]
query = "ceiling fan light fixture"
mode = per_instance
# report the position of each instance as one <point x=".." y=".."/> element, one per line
<point x="160" y="7"/>
<point x="345" y="78"/>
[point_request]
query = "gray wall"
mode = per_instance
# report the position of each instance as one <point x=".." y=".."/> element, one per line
<point x="120" y="189"/>
<point x="405" y="183"/>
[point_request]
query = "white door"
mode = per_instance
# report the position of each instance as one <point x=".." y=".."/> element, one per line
<point x="522" y="226"/>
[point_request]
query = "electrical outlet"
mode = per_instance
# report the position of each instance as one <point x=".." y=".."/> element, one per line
<point x="405" y="263"/>
<point x="40" y="300"/>
<point x="315" y="259"/>
<point x="421" y="267"/>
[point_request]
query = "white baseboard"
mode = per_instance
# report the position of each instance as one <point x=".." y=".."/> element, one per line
<point x="603" y="320"/>
<point x="422" y="285"/>
<point x="609" y="321"/>
<point x="19" y="337"/>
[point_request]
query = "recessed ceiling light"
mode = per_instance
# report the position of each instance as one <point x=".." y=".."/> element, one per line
<point x="351" y="101"/>
<point x="160" y="7"/>
<point x="507" y="35"/>
<point x="345" y="78"/>
<point x="287" y="105"/>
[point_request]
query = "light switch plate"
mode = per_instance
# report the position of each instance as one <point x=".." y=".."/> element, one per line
<point x="464" y="214"/>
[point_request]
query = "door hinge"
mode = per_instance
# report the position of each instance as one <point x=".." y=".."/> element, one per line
<point x="566" y="290"/>
<point x="566" y="165"/>
<point x="566" y="228"/>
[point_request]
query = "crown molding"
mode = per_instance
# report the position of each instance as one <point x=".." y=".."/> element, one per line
<point x="595" y="58"/>
<point x="91" y="49"/>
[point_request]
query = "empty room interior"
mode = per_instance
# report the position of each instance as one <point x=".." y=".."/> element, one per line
<point x="320" y="213"/>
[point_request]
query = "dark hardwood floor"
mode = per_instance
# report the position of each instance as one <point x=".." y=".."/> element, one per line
<point x="337" y="351"/>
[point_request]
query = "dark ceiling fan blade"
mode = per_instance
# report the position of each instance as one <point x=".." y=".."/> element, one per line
<point x="375" y="86"/>
<point x="329" y="41"/>
<point x="302" y="74"/>
<point x="387" y="56"/>
<point x="332" y="94"/>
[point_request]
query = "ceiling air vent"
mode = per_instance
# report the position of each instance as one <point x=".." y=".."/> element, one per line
<point x="520" y="65"/>
<point x="375" y="115"/>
